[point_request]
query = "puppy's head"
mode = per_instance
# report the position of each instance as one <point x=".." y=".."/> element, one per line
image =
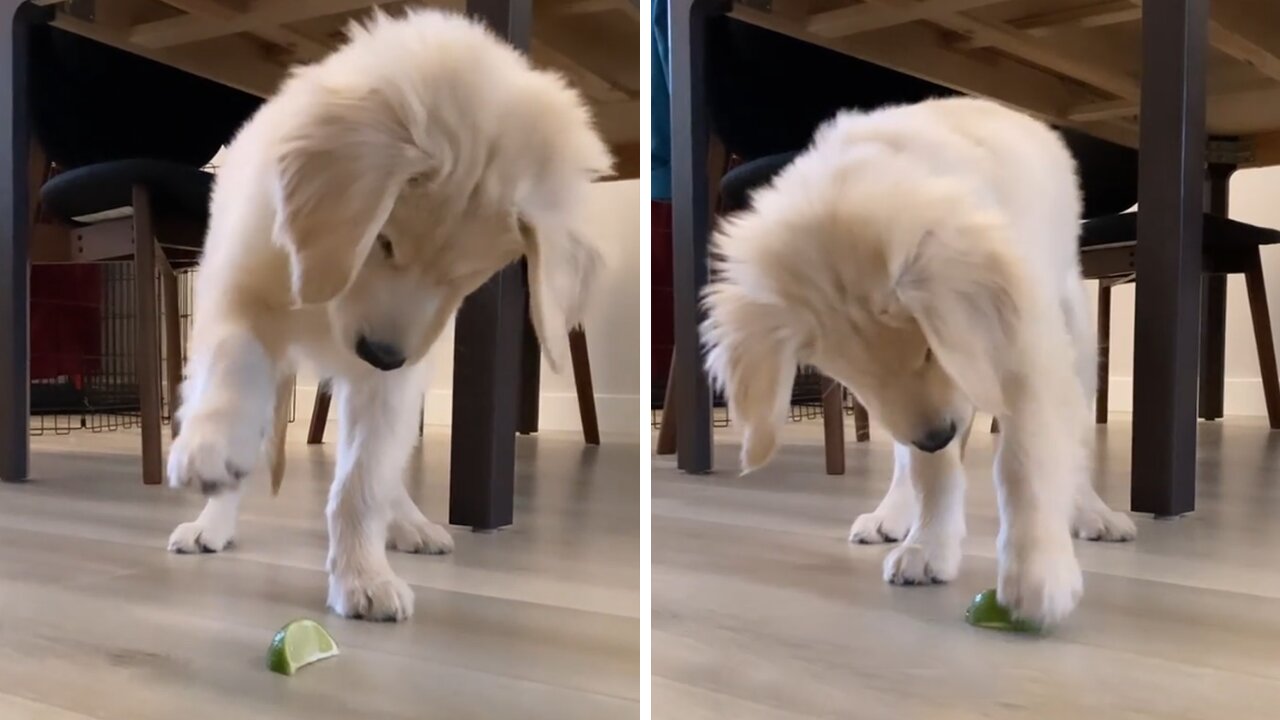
<point x="403" y="184"/>
<point x="900" y="290"/>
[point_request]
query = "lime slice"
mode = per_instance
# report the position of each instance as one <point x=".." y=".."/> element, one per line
<point x="299" y="643"/>
<point x="987" y="612"/>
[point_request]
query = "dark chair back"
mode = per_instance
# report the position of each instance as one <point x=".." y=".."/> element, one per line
<point x="767" y="92"/>
<point x="93" y="103"/>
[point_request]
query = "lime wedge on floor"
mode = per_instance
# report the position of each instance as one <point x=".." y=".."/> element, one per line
<point x="299" y="643"/>
<point x="987" y="612"/>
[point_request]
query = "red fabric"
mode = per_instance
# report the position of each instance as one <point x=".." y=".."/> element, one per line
<point x="662" y="318"/>
<point x="66" y="328"/>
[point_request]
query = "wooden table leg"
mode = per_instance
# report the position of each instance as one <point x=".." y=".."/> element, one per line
<point x="690" y="223"/>
<point x="1170" y="226"/>
<point x="16" y="20"/>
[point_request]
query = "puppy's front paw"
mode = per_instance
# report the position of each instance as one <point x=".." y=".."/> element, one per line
<point x="882" y="526"/>
<point x="419" y="535"/>
<point x="1040" y="579"/>
<point x="1105" y="525"/>
<point x="200" y="537"/>
<point x="922" y="562"/>
<point x="380" y="597"/>
<point x="212" y="457"/>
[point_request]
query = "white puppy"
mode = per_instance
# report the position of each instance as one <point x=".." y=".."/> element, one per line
<point x="353" y="214"/>
<point x="926" y="256"/>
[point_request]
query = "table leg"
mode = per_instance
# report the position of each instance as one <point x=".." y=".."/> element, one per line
<point x="1170" y="224"/>
<point x="1213" y="307"/>
<point x="690" y="224"/>
<point x="486" y="357"/>
<point x="15" y="270"/>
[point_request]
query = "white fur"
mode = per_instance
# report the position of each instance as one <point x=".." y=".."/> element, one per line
<point x="926" y="256"/>
<point x="376" y="190"/>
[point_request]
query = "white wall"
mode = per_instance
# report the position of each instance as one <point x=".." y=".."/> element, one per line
<point x="1255" y="198"/>
<point x="612" y="328"/>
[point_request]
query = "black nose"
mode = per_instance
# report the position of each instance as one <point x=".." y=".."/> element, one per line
<point x="937" y="438"/>
<point x="379" y="355"/>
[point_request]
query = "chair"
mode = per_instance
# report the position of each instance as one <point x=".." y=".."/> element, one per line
<point x="128" y="138"/>
<point x="1108" y="242"/>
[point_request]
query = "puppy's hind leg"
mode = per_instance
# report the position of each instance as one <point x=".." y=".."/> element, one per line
<point x="931" y="552"/>
<point x="377" y="430"/>
<point x="1092" y="519"/>
<point x="412" y="532"/>
<point x="894" y="516"/>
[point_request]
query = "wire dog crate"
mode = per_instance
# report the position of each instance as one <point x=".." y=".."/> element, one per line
<point x="83" y="344"/>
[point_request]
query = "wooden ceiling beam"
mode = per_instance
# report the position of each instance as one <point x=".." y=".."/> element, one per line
<point x="304" y="48"/>
<point x="1115" y="12"/>
<point x="258" y="14"/>
<point x="855" y="19"/>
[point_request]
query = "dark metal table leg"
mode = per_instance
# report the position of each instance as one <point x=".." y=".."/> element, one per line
<point x="690" y="224"/>
<point x="1213" y="307"/>
<point x="486" y="369"/>
<point x="15" y="271"/>
<point x="1167" y="313"/>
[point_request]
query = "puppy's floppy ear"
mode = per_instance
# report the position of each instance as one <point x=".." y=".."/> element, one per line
<point x="751" y="352"/>
<point x="338" y="170"/>
<point x="562" y="272"/>
<point x="969" y="295"/>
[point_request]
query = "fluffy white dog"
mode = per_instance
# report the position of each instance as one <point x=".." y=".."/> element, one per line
<point x="926" y="256"/>
<point x="353" y="214"/>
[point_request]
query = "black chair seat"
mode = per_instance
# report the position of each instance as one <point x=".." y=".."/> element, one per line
<point x="109" y="185"/>
<point x="737" y="184"/>
<point x="1219" y="233"/>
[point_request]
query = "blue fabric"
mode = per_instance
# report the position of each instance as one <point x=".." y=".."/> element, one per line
<point x="660" y="106"/>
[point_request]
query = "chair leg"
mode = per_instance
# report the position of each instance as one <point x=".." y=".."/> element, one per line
<point x="666" y="444"/>
<point x="861" y="422"/>
<point x="531" y="378"/>
<point x="172" y="343"/>
<point x="833" y="424"/>
<point x="1257" y="287"/>
<point x="319" y="415"/>
<point x="1104" y="352"/>
<point x="582" y="383"/>
<point x="147" y="347"/>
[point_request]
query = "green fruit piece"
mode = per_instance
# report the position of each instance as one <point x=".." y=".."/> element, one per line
<point x="987" y="612"/>
<point x="299" y="643"/>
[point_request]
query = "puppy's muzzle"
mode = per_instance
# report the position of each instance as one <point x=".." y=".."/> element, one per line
<point x="936" y="439"/>
<point x="379" y="354"/>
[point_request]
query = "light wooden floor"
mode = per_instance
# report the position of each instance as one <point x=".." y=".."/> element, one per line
<point x="761" y="609"/>
<point x="98" y="621"/>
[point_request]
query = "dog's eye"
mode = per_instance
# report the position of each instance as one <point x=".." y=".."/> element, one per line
<point x="384" y="244"/>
